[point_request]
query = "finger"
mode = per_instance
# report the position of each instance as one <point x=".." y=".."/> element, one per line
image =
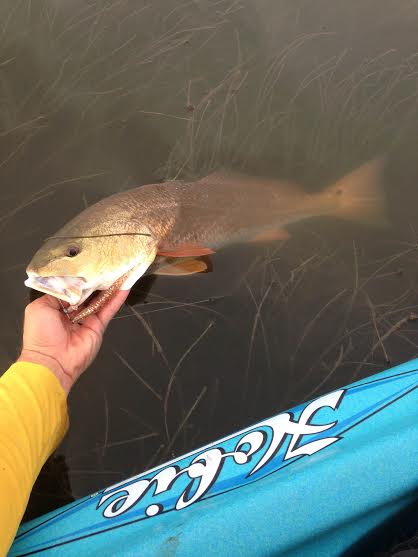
<point x="110" y="309"/>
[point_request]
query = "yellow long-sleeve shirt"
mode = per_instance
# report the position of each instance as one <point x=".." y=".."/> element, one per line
<point x="33" y="420"/>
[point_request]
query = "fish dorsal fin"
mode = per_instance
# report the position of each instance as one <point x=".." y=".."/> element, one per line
<point x="184" y="267"/>
<point x="270" y="235"/>
<point x="227" y="178"/>
<point x="184" y="250"/>
<point x="213" y="178"/>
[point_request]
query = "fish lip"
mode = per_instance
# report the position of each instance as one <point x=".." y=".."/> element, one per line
<point x="66" y="288"/>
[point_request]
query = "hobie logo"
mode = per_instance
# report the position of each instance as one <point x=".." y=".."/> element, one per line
<point x="239" y="459"/>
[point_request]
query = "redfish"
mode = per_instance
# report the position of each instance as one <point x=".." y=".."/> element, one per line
<point x="112" y="243"/>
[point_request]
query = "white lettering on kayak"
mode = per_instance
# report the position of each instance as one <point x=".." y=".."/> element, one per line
<point x="265" y="439"/>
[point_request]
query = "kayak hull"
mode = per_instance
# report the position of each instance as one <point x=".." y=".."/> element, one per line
<point x="310" y="481"/>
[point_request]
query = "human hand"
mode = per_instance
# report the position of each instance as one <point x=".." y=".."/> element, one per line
<point x="66" y="348"/>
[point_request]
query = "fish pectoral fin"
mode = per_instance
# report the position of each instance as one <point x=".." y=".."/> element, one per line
<point x="270" y="235"/>
<point x="182" y="268"/>
<point x="184" y="250"/>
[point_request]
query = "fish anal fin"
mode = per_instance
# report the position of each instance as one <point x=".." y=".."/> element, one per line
<point x="270" y="235"/>
<point x="185" y="250"/>
<point x="183" y="268"/>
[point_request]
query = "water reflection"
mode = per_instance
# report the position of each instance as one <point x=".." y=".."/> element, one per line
<point x="99" y="97"/>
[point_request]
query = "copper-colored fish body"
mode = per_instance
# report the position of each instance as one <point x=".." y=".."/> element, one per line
<point x="121" y="235"/>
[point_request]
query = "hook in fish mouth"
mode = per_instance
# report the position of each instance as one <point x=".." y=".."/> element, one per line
<point x="73" y="290"/>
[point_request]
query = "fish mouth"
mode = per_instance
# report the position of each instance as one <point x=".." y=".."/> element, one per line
<point x="76" y="290"/>
<point x="73" y="290"/>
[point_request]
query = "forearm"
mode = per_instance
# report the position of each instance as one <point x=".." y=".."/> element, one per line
<point x="33" y="420"/>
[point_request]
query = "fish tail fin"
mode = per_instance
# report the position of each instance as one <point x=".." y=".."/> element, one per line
<point x="359" y="195"/>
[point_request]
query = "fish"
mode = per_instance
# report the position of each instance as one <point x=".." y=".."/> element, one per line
<point x="180" y="223"/>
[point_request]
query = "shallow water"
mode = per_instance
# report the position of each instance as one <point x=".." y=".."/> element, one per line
<point x="98" y="97"/>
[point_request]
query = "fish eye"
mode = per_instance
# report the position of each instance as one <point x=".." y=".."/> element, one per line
<point x="72" y="251"/>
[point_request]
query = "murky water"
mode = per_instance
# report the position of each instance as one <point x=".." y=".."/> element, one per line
<point x="97" y="97"/>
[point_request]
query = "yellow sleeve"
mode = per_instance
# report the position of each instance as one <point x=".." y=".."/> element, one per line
<point x="33" y="420"/>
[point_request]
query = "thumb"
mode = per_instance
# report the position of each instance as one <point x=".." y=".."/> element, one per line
<point x="46" y="301"/>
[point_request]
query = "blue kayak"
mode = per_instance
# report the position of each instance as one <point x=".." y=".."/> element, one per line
<point x="311" y="481"/>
